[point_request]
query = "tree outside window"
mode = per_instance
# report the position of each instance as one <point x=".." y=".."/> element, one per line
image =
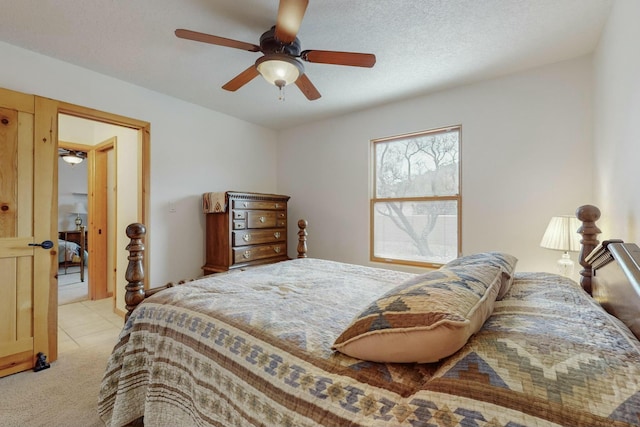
<point x="415" y="208"/>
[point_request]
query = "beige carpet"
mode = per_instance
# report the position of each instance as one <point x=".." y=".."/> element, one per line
<point x="66" y="394"/>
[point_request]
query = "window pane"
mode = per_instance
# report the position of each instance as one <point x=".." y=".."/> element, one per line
<point x="418" y="166"/>
<point x="425" y="232"/>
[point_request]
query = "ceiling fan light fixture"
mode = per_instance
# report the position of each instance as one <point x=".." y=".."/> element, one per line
<point x="279" y="69"/>
<point x="73" y="157"/>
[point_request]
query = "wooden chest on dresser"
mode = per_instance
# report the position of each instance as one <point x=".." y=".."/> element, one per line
<point x="251" y="231"/>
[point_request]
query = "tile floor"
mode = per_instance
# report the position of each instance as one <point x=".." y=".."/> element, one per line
<point x="70" y="288"/>
<point x="87" y="323"/>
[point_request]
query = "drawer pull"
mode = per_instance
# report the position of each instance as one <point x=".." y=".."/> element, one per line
<point x="276" y="234"/>
<point x="247" y="254"/>
<point x="262" y="219"/>
<point x="246" y="237"/>
<point x="277" y="205"/>
<point x="277" y="249"/>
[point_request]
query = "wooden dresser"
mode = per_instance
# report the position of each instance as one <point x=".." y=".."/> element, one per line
<point x="252" y="230"/>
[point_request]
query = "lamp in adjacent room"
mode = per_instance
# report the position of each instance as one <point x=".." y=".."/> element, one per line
<point x="73" y="157"/>
<point x="562" y="235"/>
<point x="79" y="209"/>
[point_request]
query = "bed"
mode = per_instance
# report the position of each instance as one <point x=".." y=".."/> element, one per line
<point x="70" y="253"/>
<point x="260" y="347"/>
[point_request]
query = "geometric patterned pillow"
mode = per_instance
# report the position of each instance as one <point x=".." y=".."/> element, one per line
<point x="499" y="259"/>
<point x="425" y="319"/>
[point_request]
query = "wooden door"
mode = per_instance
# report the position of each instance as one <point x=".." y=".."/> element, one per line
<point x="28" y="315"/>
<point x="102" y="208"/>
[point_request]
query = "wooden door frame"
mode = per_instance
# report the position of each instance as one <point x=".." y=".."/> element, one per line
<point x="98" y="179"/>
<point x="97" y="288"/>
<point x="144" y="131"/>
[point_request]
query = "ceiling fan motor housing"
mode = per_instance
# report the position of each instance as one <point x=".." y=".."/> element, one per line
<point x="270" y="44"/>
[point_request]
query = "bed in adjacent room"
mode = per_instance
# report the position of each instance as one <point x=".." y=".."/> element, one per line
<point x="310" y="342"/>
<point x="70" y="252"/>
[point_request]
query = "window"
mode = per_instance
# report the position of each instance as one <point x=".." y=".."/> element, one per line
<point x="415" y="207"/>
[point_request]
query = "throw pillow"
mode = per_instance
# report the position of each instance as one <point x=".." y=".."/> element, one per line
<point x="503" y="260"/>
<point x="425" y="318"/>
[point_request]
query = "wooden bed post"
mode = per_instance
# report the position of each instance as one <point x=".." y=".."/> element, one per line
<point x="588" y="214"/>
<point x="302" y="238"/>
<point x="135" y="271"/>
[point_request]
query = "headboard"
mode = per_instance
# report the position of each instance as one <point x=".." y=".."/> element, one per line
<point x="615" y="281"/>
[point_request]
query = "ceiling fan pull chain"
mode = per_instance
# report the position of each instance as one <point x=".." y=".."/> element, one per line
<point x="281" y="95"/>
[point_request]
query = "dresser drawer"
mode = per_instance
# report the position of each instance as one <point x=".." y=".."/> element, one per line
<point x="248" y="204"/>
<point x="252" y="253"/>
<point x="266" y="219"/>
<point x="255" y="237"/>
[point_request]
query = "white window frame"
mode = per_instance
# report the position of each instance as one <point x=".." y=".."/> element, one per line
<point x="420" y="199"/>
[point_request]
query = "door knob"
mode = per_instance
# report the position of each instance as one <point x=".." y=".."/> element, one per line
<point x="47" y="244"/>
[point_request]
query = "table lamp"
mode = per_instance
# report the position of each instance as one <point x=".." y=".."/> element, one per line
<point x="562" y="235"/>
<point x="79" y="209"/>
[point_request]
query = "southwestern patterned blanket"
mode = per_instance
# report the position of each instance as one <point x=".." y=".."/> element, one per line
<point x="253" y="348"/>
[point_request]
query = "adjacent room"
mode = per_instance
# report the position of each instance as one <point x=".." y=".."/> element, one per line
<point x="393" y="212"/>
<point x="73" y="254"/>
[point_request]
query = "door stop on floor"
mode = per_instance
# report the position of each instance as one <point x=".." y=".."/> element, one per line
<point x="41" y="362"/>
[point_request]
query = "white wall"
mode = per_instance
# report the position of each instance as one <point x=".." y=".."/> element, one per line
<point x="526" y="156"/>
<point x="526" y="141"/>
<point x="617" y="123"/>
<point x="193" y="150"/>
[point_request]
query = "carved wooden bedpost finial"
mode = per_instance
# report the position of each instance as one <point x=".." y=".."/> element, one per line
<point x="135" y="272"/>
<point x="302" y="238"/>
<point x="588" y="214"/>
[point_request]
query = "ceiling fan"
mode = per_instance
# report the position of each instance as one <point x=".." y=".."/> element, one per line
<point x="281" y="62"/>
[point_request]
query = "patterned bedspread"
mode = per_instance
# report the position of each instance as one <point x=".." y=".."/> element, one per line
<point x="253" y="348"/>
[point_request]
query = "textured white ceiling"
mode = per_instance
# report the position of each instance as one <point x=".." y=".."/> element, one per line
<point x="421" y="46"/>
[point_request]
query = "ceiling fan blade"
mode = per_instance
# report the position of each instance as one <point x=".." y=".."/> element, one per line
<point x="339" y="58"/>
<point x="220" y="41"/>
<point x="307" y="88"/>
<point x="241" y="79"/>
<point x="290" y="14"/>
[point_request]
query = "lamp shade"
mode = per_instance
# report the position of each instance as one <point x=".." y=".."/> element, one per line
<point x="562" y="234"/>
<point x="279" y="69"/>
<point x="79" y="209"/>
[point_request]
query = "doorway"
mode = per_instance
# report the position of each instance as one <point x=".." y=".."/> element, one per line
<point x="73" y="190"/>
<point x="87" y="190"/>
<point x="31" y="178"/>
<point x="117" y="179"/>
